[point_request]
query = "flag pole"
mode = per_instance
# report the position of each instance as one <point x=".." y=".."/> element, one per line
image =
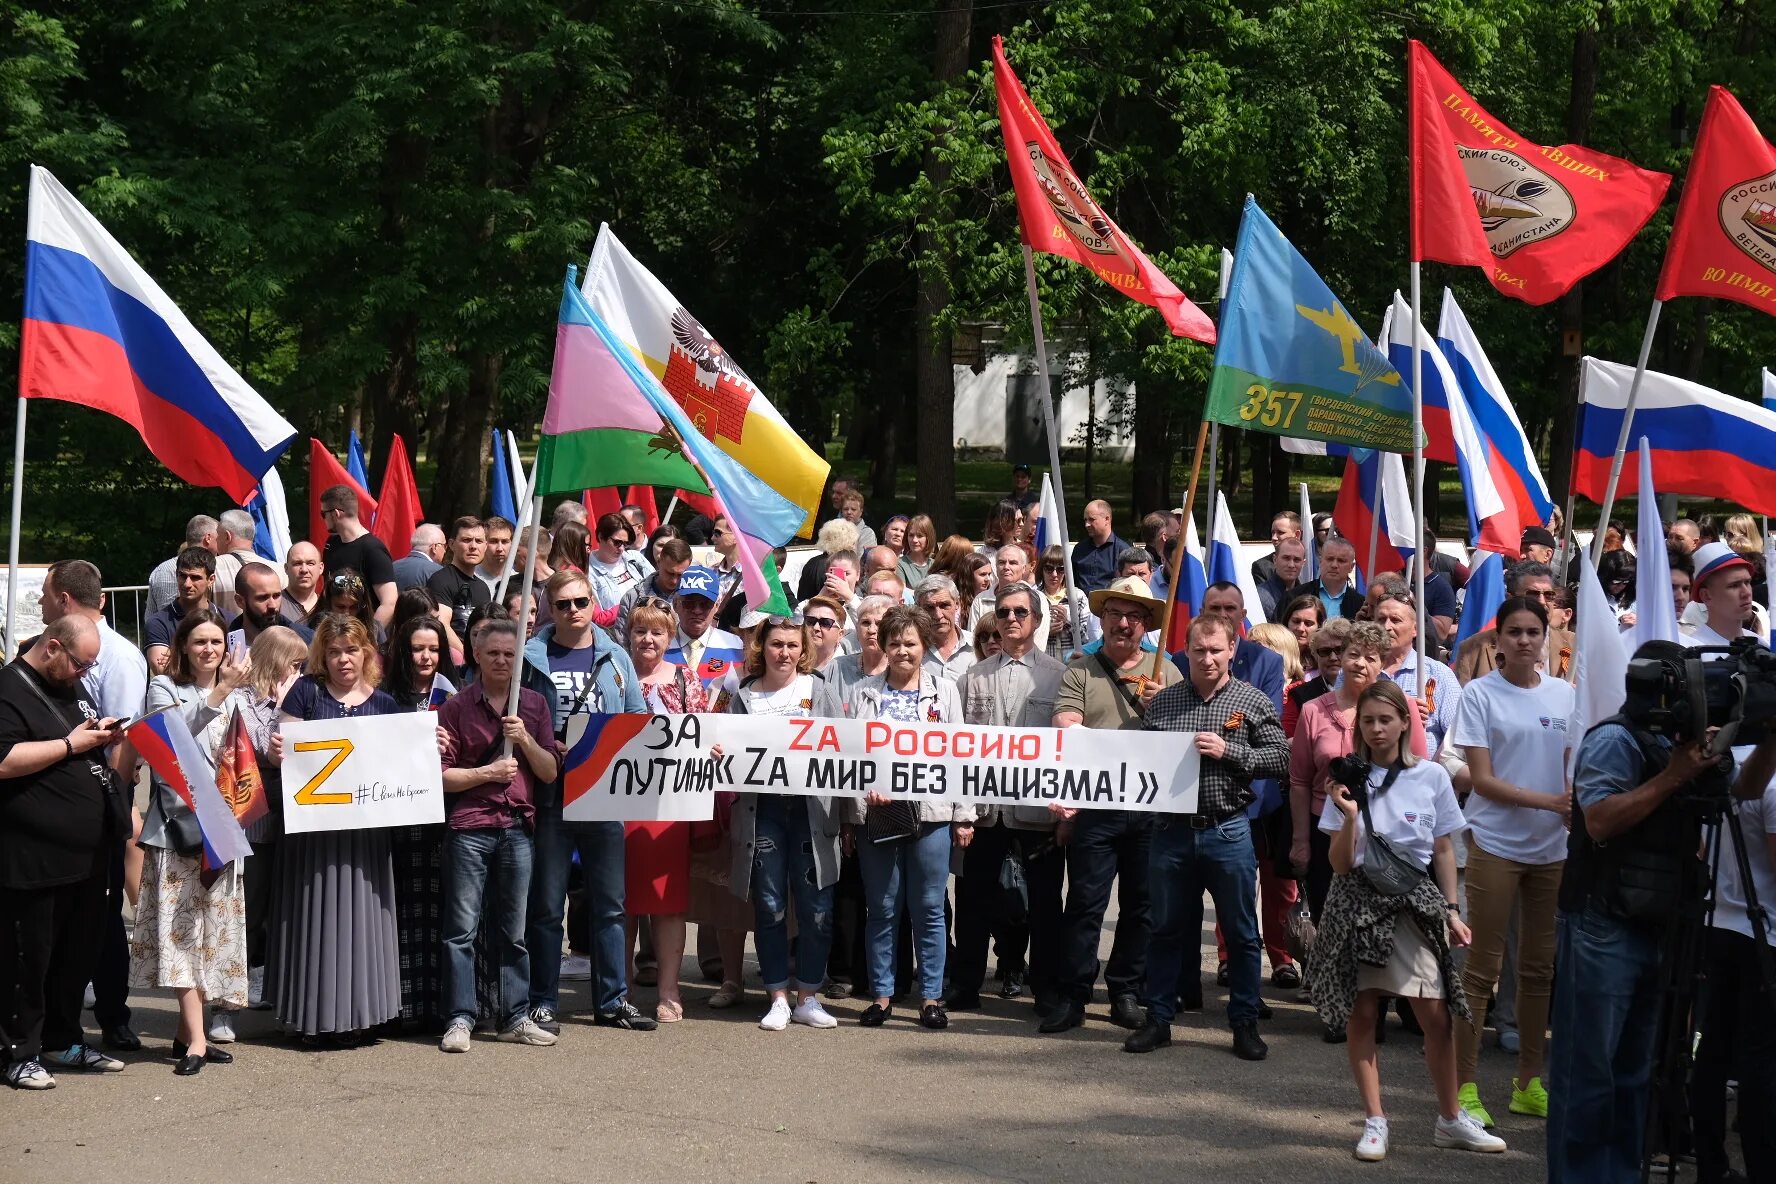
<point x="1176" y="567"/>
<point x="1418" y="475"/>
<point x="1615" y="476"/>
<point x="670" y="507"/>
<point x="533" y="506"/>
<point x="1564" y="556"/>
<point x="525" y="608"/>
<point x="1054" y="441"/>
<point x="10" y="647"/>
<point x="1209" y="488"/>
<point x="1374" y="521"/>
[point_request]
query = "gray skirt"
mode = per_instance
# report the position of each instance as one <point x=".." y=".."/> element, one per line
<point x="334" y="962"/>
<point x="1412" y="971"/>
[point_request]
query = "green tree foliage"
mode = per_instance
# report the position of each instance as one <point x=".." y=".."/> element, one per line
<point x="369" y="208"/>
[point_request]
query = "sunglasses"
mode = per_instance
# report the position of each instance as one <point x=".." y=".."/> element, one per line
<point x="1054" y="567"/>
<point x="342" y="582"/>
<point x="1019" y="613"/>
<point x="572" y="602"/>
<point x="1329" y="651"/>
<point x="664" y="606"/>
<point x="821" y="622"/>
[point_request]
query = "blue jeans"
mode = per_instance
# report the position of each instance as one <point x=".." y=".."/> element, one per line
<point x="1600" y="1060"/>
<point x="921" y="869"/>
<point x="782" y="868"/>
<point x="600" y="845"/>
<point x="1184" y="862"/>
<point x="486" y="871"/>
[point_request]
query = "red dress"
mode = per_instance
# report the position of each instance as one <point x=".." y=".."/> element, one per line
<point x="657" y="855"/>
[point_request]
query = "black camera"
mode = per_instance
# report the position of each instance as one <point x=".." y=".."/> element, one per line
<point x="1681" y="694"/>
<point x="1352" y="772"/>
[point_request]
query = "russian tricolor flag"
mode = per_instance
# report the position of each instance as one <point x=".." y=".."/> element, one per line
<point x="1450" y="434"/>
<point x="99" y="332"/>
<point x="1514" y="468"/>
<point x="1376" y="484"/>
<point x="1224" y="562"/>
<point x="442" y="689"/>
<point x="1704" y="443"/>
<point x="1047" y="531"/>
<point x="1484" y="593"/>
<point x="1188" y="591"/>
<point x="166" y="743"/>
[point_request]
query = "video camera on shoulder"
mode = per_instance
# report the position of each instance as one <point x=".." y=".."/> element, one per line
<point x="1679" y="693"/>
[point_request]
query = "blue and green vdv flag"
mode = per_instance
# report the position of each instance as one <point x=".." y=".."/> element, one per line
<point x="1290" y="360"/>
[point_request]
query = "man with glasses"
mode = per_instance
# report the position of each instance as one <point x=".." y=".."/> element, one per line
<point x="950" y="653"/>
<point x="350" y="544"/>
<point x="56" y="828"/>
<point x="1014" y="688"/>
<point x="1108" y="689"/>
<point x="196" y="576"/>
<point x="672" y="558"/>
<point x="585" y="675"/>
<point x="1478" y="655"/>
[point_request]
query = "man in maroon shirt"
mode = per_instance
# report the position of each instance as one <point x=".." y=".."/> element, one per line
<point x="487" y="851"/>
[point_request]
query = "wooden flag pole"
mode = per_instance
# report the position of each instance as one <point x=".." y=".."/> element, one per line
<point x="1176" y="565"/>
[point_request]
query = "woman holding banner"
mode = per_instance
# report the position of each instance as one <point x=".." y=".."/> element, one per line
<point x="788" y="845"/>
<point x="335" y="966"/>
<point x="902" y="842"/>
<point x="274" y="662"/>
<point x="418" y="678"/>
<point x="657" y="855"/>
<point x="191" y="930"/>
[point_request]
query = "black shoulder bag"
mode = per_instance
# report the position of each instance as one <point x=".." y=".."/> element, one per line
<point x="1388" y="870"/>
<point x="117" y="809"/>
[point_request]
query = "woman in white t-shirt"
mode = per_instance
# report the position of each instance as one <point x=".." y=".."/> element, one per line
<point x="1513" y="725"/>
<point x="1413" y="807"/>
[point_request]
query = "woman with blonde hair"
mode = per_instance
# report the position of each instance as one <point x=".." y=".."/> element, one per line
<point x="275" y="661"/>
<point x="1280" y="641"/>
<point x="191" y="931"/>
<point x="1404" y="812"/>
<point x="334" y="968"/>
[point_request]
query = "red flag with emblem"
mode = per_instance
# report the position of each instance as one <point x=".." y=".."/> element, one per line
<point x="1060" y="217"/>
<point x="1537" y="219"/>
<point x="1724" y="240"/>
<point x="237" y="774"/>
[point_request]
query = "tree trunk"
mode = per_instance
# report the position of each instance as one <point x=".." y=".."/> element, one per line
<point x="462" y="447"/>
<point x="1581" y="102"/>
<point x="933" y="375"/>
<point x="1151" y="484"/>
<point x="888" y="412"/>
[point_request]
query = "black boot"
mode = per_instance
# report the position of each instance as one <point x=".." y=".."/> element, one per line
<point x="1152" y="1035"/>
<point x="1247" y="1044"/>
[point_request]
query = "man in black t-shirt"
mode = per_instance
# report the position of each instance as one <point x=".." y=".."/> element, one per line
<point x="457" y="585"/>
<point x="54" y="834"/>
<point x="350" y="545"/>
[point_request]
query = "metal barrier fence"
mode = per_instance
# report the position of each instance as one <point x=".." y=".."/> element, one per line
<point x="126" y="610"/>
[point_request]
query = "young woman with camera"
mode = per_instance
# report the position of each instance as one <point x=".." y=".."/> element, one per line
<point x="1513" y="724"/>
<point x="1408" y="920"/>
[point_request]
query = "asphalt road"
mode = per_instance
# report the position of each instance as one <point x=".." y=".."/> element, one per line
<point x="715" y="1098"/>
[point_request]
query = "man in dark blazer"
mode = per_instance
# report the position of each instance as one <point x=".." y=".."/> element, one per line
<point x="1335" y="587"/>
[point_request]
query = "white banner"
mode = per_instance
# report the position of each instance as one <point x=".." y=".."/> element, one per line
<point x="356" y="774"/>
<point x="637" y="767"/>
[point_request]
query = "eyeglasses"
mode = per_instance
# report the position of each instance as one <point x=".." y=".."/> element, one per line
<point x="572" y="602"/>
<point x="1117" y="614"/>
<point x="821" y="622"/>
<point x="79" y="666"/>
<point x="1003" y="612"/>
<point x="1328" y="651"/>
<point x="664" y="606"/>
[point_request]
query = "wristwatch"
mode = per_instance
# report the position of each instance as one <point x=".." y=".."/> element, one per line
<point x="1452" y="906"/>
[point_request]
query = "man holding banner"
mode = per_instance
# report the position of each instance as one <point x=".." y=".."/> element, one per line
<point x="1107" y="690"/>
<point x="1234" y="726"/>
<point x="492" y="762"/>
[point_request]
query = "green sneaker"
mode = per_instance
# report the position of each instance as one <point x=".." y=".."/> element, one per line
<point x="1531" y="1099"/>
<point x="1468" y="1098"/>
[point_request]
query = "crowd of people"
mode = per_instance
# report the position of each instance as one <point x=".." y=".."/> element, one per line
<point x="1406" y="820"/>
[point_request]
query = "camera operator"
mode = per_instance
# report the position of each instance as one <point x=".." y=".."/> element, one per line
<point x="1631" y="867"/>
<point x="1738" y="1029"/>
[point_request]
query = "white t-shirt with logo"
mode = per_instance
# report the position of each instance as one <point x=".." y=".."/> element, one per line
<point x="1527" y="732"/>
<point x="795" y="700"/>
<point x="1413" y="813"/>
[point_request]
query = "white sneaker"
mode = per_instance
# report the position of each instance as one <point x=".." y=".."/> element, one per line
<point x="456" y="1036"/>
<point x="525" y="1031"/>
<point x="1373" y="1146"/>
<point x="221" y="1028"/>
<point x="576" y="968"/>
<point x="256" y="999"/>
<point x="28" y="1075"/>
<point x="809" y="1012"/>
<point x="777" y="1018"/>
<point x="1464" y="1133"/>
